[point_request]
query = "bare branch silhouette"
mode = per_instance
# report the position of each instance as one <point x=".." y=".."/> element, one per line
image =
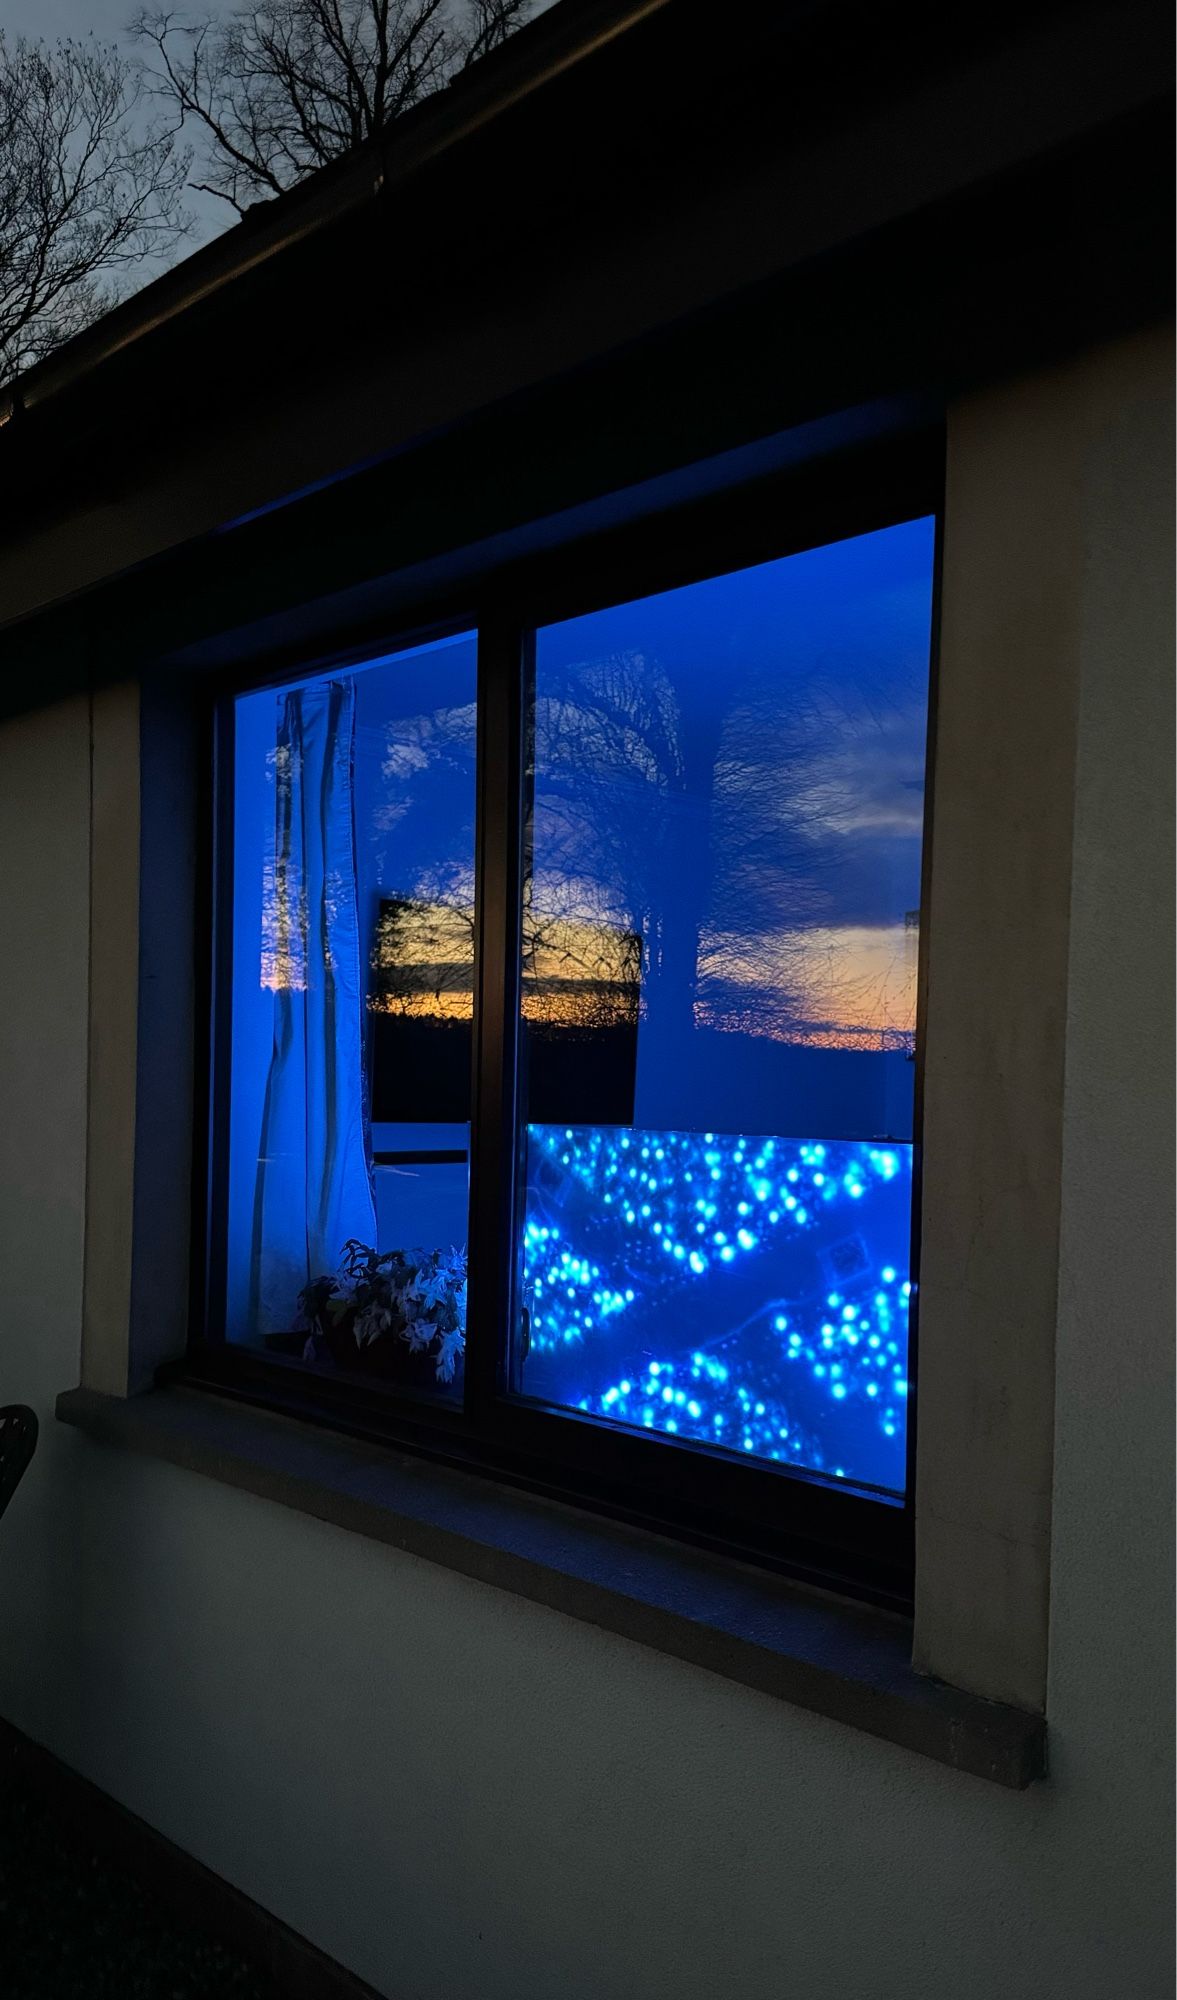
<point x="89" y="190"/>
<point x="707" y="827"/>
<point x="278" y="89"/>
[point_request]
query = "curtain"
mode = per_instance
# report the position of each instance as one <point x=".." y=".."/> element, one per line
<point x="314" y="1187"/>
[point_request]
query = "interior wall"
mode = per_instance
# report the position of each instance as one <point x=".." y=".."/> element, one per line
<point x="466" y="1797"/>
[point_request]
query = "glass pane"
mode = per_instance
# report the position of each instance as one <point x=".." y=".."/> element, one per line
<point x="720" y="935"/>
<point x="353" y="892"/>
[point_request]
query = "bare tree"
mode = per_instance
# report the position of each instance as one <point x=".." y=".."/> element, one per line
<point x="690" y="808"/>
<point x="278" y="89"/>
<point x="89" y="190"/>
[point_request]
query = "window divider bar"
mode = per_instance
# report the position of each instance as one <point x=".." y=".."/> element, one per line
<point x="213" y="1070"/>
<point x="504" y="655"/>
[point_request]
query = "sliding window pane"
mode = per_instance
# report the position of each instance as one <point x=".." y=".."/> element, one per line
<point x="353" y="892"/>
<point x="721" y="911"/>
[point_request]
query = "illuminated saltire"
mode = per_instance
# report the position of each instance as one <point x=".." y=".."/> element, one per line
<point x="747" y="1292"/>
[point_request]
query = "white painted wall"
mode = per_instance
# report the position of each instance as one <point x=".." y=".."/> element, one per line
<point x="466" y="1797"/>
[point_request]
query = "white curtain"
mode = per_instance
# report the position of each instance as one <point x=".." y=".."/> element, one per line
<point x="314" y="1187"/>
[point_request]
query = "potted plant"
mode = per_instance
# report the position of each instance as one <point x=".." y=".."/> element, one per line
<point x="400" y="1314"/>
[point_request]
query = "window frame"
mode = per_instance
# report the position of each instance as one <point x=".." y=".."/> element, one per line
<point x="800" y="1524"/>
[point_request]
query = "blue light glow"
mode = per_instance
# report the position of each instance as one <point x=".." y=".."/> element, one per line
<point x="743" y="1334"/>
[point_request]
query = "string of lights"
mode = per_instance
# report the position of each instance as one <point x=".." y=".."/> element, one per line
<point x="749" y="1293"/>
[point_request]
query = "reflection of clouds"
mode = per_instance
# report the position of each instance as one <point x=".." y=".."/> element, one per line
<point x="741" y="789"/>
<point x="801" y="820"/>
<point x="849" y="987"/>
<point x="401" y="760"/>
<point x="869" y="780"/>
<point x="409" y="748"/>
<point x="769" y="796"/>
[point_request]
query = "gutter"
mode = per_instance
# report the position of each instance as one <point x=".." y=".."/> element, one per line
<point x="570" y="33"/>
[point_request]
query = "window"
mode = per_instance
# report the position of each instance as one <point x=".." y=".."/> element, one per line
<point x="624" y="907"/>
<point x="719" y="984"/>
<point x="349" y="1120"/>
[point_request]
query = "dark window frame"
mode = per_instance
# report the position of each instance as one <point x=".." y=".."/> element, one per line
<point x="806" y="1526"/>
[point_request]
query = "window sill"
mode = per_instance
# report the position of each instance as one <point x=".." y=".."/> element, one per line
<point x="845" y="1661"/>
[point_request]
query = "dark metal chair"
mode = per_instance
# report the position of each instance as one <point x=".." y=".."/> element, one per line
<point x="18" y="1442"/>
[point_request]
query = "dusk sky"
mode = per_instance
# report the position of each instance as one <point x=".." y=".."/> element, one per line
<point x="107" y="20"/>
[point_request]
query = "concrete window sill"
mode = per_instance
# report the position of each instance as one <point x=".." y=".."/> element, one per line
<point x="846" y="1661"/>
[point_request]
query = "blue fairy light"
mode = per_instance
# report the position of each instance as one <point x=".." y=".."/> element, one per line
<point x="617" y="1298"/>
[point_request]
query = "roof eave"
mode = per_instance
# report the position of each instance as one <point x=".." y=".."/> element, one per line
<point x="539" y="52"/>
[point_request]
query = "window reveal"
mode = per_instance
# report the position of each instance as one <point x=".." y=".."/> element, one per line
<point x="720" y="818"/>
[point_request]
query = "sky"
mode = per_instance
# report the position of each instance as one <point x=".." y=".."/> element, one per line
<point x="106" y="20"/>
<point x="50" y="18"/>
